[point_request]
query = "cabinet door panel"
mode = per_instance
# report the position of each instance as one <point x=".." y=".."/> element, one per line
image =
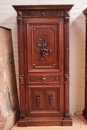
<point x="36" y="101"/>
<point x="44" y="100"/>
<point x="44" y="44"/>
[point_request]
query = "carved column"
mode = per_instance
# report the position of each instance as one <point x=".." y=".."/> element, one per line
<point x="21" y="63"/>
<point x="66" y="65"/>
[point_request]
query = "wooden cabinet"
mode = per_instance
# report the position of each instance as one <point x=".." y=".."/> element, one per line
<point x="43" y="47"/>
<point x="85" y="109"/>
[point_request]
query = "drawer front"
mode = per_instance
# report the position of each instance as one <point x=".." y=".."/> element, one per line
<point x="45" y="78"/>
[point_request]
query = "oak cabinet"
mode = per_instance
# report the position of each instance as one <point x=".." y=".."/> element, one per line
<point x="43" y="47"/>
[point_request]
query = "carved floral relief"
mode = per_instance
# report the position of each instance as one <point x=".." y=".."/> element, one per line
<point x="43" y="48"/>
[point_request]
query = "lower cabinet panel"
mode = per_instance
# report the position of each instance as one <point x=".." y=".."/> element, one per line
<point x="44" y="101"/>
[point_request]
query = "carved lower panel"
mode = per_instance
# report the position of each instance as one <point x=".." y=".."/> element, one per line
<point x="43" y="98"/>
<point x="44" y="79"/>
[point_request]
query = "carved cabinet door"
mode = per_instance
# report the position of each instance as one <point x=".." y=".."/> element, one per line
<point x="44" y="66"/>
<point x="43" y="50"/>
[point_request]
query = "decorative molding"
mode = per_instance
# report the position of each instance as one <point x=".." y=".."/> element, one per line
<point x="26" y="13"/>
<point x="66" y="13"/>
<point x="21" y="79"/>
<point x="19" y="22"/>
<point x="35" y="79"/>
<point x="43" y="67"/>
<point x="66" y="78"/>
<point x="66" y="20"/>
<point x="58" y="13"/>
<point x="44" y="79"/>
<point x="19" y="13"/>
<point x="43" y="48"/>
<point x="43" y="13"/>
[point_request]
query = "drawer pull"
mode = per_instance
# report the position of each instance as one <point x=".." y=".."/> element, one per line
<point x="38" y="99"/>
<point x="50" y="99"/>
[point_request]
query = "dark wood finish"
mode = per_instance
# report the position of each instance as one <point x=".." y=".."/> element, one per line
<point x="43" y="46"/>
<point x="85" y="109"/>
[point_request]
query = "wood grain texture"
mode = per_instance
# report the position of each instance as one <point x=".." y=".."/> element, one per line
<point x="43" y="39"/>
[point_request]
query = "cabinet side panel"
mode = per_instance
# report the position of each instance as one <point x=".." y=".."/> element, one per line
<point x="66" y="65"/>
<point x="21" y="66"/>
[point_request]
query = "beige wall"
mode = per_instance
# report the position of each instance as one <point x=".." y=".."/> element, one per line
<point x="77" y="43"/>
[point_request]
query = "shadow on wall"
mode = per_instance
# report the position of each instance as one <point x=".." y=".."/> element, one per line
<point x="77" y="64"/>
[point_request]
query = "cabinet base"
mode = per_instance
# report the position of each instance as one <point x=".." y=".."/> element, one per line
<point x="85" y="114"/>
<point x="45" y="121"/>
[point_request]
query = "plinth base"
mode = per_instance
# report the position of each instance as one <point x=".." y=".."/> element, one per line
<point x="45" y="121"/>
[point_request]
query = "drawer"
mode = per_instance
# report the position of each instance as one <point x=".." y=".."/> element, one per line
<point x="44" y="78"/>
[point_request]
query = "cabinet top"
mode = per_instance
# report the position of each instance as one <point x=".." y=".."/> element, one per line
<point x="38" y="7"/>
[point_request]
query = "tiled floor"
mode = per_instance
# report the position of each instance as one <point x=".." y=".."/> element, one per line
<point x="79" y="123"/>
